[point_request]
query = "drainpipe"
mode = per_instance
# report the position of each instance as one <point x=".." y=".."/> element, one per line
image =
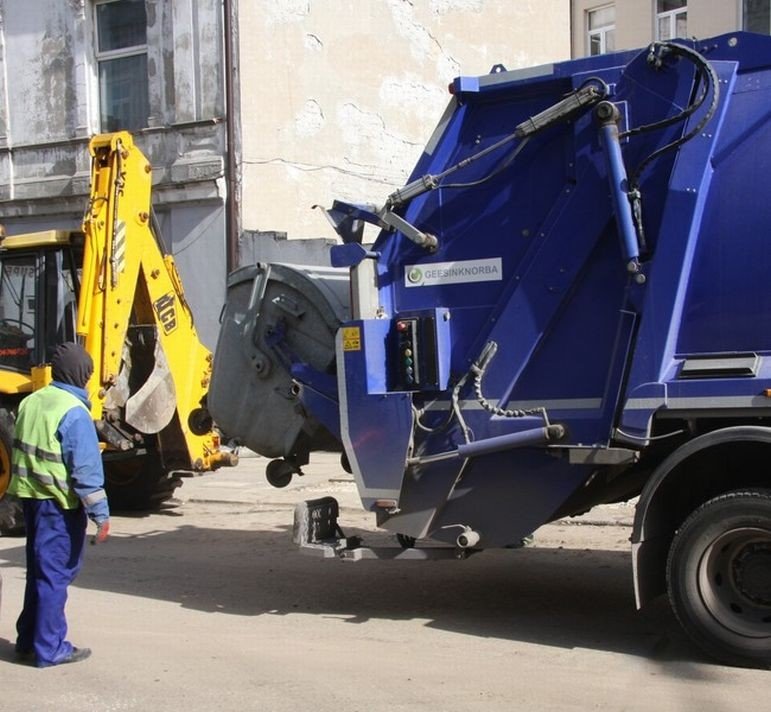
<point x="232" y="137"/>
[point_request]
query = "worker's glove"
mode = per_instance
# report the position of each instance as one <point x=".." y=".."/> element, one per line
<point x="102" y="532"/>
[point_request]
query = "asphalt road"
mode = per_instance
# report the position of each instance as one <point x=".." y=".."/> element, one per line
<point x="209" y="607"/>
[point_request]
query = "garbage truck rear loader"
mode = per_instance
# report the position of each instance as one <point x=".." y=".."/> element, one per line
<point x="567" y="305"/>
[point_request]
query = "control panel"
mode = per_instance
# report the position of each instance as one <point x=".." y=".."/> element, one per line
<point x="413" y="357"/>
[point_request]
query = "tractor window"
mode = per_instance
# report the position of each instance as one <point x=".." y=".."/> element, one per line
<point x="18" y="289"/>
<point x="61" y="286"/>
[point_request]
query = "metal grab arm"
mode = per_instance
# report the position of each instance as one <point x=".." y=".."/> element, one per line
<point x="588" y="94"/>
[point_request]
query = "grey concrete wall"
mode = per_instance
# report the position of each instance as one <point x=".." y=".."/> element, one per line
<point x="194" y="233"/>
<point x="276" y="247"/>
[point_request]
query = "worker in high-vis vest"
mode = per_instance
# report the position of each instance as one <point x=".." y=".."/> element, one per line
<point x="57" y="474"/>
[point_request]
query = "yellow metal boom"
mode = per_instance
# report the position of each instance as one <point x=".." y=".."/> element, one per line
<point x="130" y="289"/>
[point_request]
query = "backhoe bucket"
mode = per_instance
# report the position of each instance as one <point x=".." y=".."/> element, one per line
<point x="149" y="400"/>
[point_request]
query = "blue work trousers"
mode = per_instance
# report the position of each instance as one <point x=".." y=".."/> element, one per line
<point x="55" y="545"/>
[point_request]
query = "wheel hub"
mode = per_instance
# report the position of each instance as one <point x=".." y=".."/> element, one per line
<point x="735" y="581"/>
<point x="752" y="573"/>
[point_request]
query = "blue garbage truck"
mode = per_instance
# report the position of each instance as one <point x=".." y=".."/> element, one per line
<point x="567" y="304"/>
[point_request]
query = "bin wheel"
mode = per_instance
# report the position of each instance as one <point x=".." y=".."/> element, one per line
<point x="719" y="577"/>
<point x="279" y="473"/>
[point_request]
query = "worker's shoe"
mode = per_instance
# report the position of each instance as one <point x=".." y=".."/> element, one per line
<point x="76" y="656"/>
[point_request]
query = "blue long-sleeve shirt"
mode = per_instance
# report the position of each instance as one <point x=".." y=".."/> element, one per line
<point x="81" y="454"/>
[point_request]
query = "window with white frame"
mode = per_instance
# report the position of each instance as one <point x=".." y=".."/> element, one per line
<point x="671" y="19"/>
<point x="601" y="30"/>
<point x="756" y="16"/>
<point x="121" y="57"/>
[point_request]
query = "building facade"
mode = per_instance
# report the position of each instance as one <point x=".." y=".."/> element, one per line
<point x="600" y="26"/>
<point x="74" y="68"/>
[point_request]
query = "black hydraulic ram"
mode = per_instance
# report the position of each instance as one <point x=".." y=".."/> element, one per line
<point x="524" y="438"/>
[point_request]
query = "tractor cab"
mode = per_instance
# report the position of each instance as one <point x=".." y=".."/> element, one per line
<point x="39" y="284"/>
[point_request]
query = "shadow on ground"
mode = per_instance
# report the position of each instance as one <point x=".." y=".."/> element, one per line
<point x="560" y="597"/>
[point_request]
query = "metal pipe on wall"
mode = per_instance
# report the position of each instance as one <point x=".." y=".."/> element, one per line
<point x="233" y="142"/>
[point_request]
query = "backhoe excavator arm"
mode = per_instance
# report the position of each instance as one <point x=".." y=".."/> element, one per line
<point x="151" y="370"/>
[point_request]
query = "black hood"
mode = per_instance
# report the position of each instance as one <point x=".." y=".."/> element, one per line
<point x="71" y="364"/>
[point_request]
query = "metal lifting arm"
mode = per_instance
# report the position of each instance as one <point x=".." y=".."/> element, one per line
<point x="588" y="94"/>
<point x="110" y="275"/>
<point x="131" y="293"/>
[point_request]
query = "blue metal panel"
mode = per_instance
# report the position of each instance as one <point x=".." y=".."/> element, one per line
<point x="671" y="272"/>
<point x="376" y="427"/>
<point x="728" y="308"/>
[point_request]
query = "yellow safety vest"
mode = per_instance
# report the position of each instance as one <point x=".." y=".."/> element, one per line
<point x="38" y="470"/>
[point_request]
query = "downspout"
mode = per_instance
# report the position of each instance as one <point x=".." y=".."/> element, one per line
<point x="232" y="135"/>
<point x="7" y="108"/>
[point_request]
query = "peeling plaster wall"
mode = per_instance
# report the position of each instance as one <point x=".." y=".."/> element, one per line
<point x="49" y="109"/>
<point x="49" y="94"/>
<point x="338" y="97"/>
<point x="39" y="70"/>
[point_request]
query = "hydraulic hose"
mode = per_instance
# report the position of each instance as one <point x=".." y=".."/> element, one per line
<point x="705" y="76"/>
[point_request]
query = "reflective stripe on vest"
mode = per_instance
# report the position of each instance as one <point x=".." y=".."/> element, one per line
<point x="37" y="464"/>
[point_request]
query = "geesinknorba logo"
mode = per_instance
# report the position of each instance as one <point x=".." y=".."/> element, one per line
<point x="415" y="275"/>
<point x="455" y="272"/>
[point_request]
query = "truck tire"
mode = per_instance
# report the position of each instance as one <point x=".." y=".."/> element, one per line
<point x="138" y="483"/>
<point x="11" y="514"/>
<point x="719" y="577"/>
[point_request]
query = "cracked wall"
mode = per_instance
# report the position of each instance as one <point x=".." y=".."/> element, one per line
<point x="339" y="97"/>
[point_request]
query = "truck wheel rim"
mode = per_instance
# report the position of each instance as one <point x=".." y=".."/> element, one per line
<point x="734" y="576"/>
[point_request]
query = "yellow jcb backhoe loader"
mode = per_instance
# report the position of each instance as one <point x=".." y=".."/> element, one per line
<point x="112" y="288"/>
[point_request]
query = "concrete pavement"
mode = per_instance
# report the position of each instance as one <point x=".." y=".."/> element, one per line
<point x="210" y="606"/>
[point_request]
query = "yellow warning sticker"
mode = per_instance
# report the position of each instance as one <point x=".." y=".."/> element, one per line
<point x="351" y="338"/>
